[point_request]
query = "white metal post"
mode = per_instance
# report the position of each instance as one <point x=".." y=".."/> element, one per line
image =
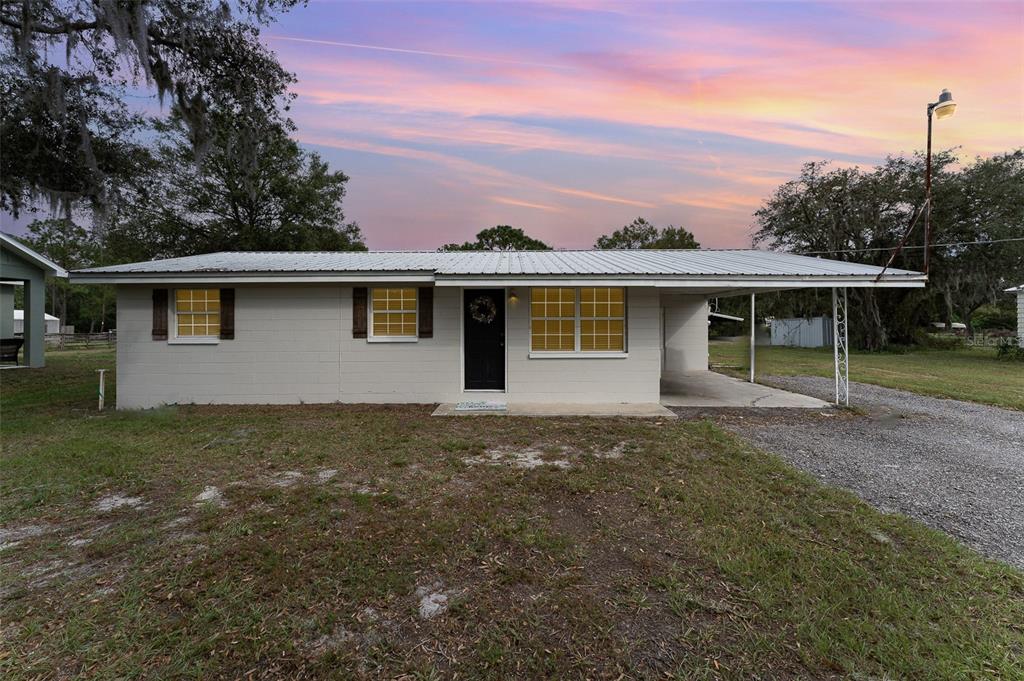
<point x="102" y="392"/>
<point x="753" y="337"/>
<point x="846" y="350"/>
<point x="841" y="346"/>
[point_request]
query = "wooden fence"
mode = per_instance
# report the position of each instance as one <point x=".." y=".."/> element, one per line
<point x="76" y="341"/>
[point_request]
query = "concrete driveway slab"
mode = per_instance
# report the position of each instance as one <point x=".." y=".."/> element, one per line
<point x="710" y="389"/>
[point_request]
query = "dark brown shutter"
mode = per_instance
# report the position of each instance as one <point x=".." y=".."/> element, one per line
<point x="227" y="313"/>
<point x="426" y="302"/>
<point x="359" y="312"/>
<point x="159" y="314"/>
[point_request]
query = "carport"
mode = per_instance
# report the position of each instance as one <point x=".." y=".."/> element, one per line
<point x="685" y="377"/>
<point x="22" y="266"/>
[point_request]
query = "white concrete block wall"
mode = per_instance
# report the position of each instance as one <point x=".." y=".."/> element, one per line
<point x="634" y="378"/>
<point x="1020" y="318"/>
<point x="425" y="371"/>
<point x="293" y="343"/>
<point x="686" y="333"/>
<point x="284" y="351"/>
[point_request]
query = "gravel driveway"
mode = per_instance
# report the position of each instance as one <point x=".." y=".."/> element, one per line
<point x="956" y="466"/>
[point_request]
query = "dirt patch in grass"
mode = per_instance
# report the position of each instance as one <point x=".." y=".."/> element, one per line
<point x="113" y="502"/>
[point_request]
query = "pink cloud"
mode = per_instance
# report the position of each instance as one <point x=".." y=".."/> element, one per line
<point x="462" y="119"/>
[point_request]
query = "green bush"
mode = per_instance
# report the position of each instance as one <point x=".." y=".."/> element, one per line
<point x="1010" y="349"/>
<point x="989" y="317"/>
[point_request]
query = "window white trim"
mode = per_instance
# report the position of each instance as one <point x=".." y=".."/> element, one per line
<point x="373" y="338"/>
<point x="172" y="310"/>
<point x="561" y="354"/>
<point x="578" y="352"/>
<point x="194" y="340"/>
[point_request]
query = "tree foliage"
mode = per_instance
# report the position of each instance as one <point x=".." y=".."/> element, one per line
<point x="642" y="234"/>
<point x="86" y="307"/>
<point x="500" y="238"/>
<point x="66" y="68"/>
<point x="244" y="194"/>
<point x="861" y="215"/>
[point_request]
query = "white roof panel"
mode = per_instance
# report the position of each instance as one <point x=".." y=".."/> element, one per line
<point x="622" y="263"/>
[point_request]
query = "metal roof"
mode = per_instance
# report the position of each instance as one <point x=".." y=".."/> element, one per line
<point x="618" y="263"/>
<point x="38" y="259"/>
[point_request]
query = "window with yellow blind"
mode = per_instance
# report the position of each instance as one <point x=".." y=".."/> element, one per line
<point x="553" y="319"/>
<point x="393" y="313"/>
<point x="197" y="312"/>
<point x="588" y="319"/>
<point x="602" y="320"/>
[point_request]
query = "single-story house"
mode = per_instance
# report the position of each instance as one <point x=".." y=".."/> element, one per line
<point x="22" y="266"/>
<point x="1019" y="290"/>
<point x="427" y="327"/>
<point x="52" y="324"/>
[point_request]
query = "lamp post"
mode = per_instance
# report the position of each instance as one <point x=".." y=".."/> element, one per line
<point x="944" y="108"/>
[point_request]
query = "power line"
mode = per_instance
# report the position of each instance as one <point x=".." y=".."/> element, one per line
<point x="889" y="248"/>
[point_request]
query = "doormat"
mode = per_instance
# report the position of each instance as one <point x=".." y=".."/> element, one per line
<point x="481" y="406"/>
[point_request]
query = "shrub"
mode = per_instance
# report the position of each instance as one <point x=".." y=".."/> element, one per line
<point x="990" y="317"/>
<point x="1010" y="349"/>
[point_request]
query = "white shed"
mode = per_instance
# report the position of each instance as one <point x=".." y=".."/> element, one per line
<point x="1019" y="290"/>
<point x="802" y="332"/>
<point x="52" y="323"/>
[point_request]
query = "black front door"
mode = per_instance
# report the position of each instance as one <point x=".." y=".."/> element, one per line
<point x="483" y="319"/>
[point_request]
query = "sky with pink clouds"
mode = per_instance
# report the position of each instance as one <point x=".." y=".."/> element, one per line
<point x="571" y="118"/>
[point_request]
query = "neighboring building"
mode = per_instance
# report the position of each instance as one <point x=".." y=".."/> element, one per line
<point x="22" y="266"/>
<point x="803" y="332"/>
<point x="52" y="323"/>
<point x="427" y="327"/>
<point x="1019" y="290"/>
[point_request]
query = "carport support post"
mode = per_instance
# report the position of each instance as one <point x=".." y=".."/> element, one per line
<point x="35" y="321"/>
<point x="753" y="336"/>
<point x="841" y="346"/>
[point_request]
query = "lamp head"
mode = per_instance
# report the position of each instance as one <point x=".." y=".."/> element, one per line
<point x="945" y="107"/>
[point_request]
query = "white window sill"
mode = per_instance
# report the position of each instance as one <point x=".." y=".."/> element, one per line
<point x="194" y="341"/>
<point x="578" y="355"/>
<point x="392" y="339"/>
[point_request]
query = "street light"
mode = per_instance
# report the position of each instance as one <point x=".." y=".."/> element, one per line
<point x="944" y="108"/>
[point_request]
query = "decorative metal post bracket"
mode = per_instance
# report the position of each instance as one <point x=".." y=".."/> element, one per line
<point x="841" y="346"/>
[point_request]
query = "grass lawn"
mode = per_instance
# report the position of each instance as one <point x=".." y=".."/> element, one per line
<point x="975" y="375"/>
<point x="310" y="541"/>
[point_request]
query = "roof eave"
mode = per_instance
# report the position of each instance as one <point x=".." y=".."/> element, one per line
<point x="655" y="280"/>
<point x="106" y="277"/>
<point x="48" y="266"/>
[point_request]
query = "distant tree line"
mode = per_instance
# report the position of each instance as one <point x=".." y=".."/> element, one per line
<point x="638" y="234"/>
<point x="861" y="215"/>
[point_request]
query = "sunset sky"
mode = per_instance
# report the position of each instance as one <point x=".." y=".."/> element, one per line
<point x="569" y="119"/>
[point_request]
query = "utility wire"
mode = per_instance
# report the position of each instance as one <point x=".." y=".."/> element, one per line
<point x="889" y="248"/>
